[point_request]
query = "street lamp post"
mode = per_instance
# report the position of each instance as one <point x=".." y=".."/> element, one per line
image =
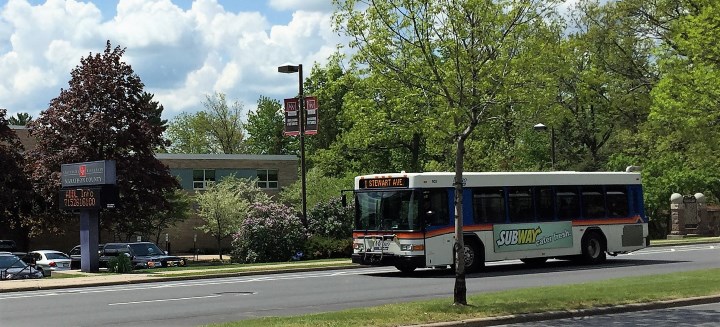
<point x="541" y="127"/>
<point x="289" y="69"/>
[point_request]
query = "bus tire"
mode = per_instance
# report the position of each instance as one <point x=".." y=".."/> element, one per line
<point x="534" y="261"/>
<point x="405" y="268"/>
<point x="474" y="256"/>
<point x="593" y="248"/>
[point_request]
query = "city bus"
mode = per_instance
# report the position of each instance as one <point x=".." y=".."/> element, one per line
<point x="407" y="220"/>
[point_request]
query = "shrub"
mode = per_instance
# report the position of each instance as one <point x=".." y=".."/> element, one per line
<point x="331" y="219"/>
<point x="330" y="228"/>
<point x="120" y="264"/>
<point x="321" y="247"/>
<point x="270" y="233"/>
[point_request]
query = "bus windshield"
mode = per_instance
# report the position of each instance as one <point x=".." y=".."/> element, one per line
<point x="387" y="210"/>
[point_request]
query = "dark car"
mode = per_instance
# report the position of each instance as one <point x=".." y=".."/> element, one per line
<point x="75" y="256"/>
<point x="11" y="267"/>
<point x="143" y="255"/>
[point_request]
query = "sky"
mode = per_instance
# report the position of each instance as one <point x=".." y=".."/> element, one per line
<point x="182" y="50"/>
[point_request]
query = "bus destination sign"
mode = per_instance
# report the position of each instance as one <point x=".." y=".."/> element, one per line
<point x="385" y="182"/>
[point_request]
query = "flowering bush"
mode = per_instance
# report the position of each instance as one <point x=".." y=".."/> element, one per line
<point x="330" y="227"/>
<point x="331" y="219"/>
<point x="270" y="233"/>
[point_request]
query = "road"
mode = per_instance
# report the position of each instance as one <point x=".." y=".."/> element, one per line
<point x="192" y="303"/>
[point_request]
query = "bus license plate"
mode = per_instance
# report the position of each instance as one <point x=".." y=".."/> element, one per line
<point x="381" y="245"/>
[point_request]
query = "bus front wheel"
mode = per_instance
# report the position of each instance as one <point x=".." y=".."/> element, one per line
<point x="593" y="249"/>
<point x="474" y="256"/>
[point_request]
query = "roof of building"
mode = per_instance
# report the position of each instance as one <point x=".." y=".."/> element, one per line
<point x="187" y="156"/>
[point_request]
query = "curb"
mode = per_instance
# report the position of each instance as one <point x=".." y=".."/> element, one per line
<point x="552" y="315"/>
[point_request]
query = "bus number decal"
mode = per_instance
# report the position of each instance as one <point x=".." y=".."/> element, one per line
<point x="520" y="237"/>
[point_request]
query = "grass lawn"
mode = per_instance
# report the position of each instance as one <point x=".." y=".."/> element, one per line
<point x="686" y="240"/>
<point x="531" y="300"/>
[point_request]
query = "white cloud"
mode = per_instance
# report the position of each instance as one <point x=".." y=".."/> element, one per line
<point x="308" y="5"/>
<point x="180" y="54"/>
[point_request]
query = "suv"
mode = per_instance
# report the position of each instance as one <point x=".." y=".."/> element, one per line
<point x="143" y="255"/>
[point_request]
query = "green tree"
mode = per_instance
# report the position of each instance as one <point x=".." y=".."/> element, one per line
<point x="216" y="129"/>
<point x="16" y="196"/>
<point x="178" y="210"/>
<point x="21" y="119"/>
<point x="103" y="115"/>
<point x="460" y="52"/>
<point x="225" y="205"/>
<point x="320" y="189"/>
<point x="187" y="134"/>
<point x="265" y="127"/>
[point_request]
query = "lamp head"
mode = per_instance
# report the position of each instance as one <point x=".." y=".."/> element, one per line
<point x="288" y="69"/>
<point x="540" y="127"/>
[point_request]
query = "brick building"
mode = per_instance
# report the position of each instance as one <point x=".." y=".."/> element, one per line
<point x="195" y="173"/>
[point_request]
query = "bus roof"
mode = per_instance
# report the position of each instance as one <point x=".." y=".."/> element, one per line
<point x="480" y="179"/>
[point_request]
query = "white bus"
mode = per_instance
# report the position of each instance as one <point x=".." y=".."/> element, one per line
<point x="406" y="220"/>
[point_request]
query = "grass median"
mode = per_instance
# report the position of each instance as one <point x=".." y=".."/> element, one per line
<point x="612" y="292"/>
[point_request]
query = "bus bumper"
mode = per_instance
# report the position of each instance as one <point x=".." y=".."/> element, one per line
<point x="377" y="259"/>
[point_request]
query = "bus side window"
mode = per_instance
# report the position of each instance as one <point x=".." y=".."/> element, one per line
<point x="520" y="204"/>
<point x="544" y="199"/>
<point x="488" y="205"/>
<point x="617" y="201"/>
<point x="593" y="202"/>
<point x="435" y="208"/>
<point x="567" y="203"/>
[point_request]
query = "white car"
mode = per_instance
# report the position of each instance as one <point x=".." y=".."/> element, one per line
<point x="49" y="260"/>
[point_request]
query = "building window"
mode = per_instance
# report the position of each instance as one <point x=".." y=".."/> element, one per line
<point x="203" y="178"/>
<point x="267" y="178"/>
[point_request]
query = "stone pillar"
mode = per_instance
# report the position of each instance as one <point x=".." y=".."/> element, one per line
<point x="702" y="215"/>
<point x="677" y="215"/>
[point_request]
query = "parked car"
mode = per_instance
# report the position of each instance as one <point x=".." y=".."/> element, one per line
<point x="48" y="261"/>
<point x="12" y="267"/>
<point x="75" y="255"/>
<point x="143" y="255"/>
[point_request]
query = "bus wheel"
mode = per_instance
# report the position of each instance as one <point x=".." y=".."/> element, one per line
<point x="474" y="256"/>
<point x="593" y="250"/>
<point x="534" y="261"/>
<point x="406" y="268"/>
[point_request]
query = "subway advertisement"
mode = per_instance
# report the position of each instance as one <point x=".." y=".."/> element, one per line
<point x="532" y="236"/>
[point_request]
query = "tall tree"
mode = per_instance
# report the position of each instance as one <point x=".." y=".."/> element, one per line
<point x="103" y="115"/>
<point x="265" y="127"/>
<point x="16" y="195"/>
<point x="216" y="129"/>
<point x="21" y="119"/>
<point x="187" y="133"/>
<point x="224" y="123"/>
<point x="462" y="52"/>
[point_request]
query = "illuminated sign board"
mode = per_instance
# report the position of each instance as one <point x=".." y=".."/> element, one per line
<point x="88" y="173"/>
<point x="88" y="197"/>
<point x="384" y="182"/>
<point x="80" y="198"/>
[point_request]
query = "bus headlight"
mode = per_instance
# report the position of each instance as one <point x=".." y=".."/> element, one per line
<point x="358" y="246"/>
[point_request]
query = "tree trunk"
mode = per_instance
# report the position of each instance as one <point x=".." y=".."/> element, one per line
<point x="460" y="293"/>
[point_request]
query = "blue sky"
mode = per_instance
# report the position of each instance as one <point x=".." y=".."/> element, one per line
<point x="182" y="50"/>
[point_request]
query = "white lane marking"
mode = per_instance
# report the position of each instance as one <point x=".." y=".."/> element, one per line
<point x="167" y="300"/>
<point x="190" y="283"/>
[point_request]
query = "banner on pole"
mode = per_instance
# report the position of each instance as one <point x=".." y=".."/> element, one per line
<point x="311" y="116"/>
<point x="292" y="119"/>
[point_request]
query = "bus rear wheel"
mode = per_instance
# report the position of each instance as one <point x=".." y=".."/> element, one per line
<point x="593" y="249"/>
<point x="474" y="256"/>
